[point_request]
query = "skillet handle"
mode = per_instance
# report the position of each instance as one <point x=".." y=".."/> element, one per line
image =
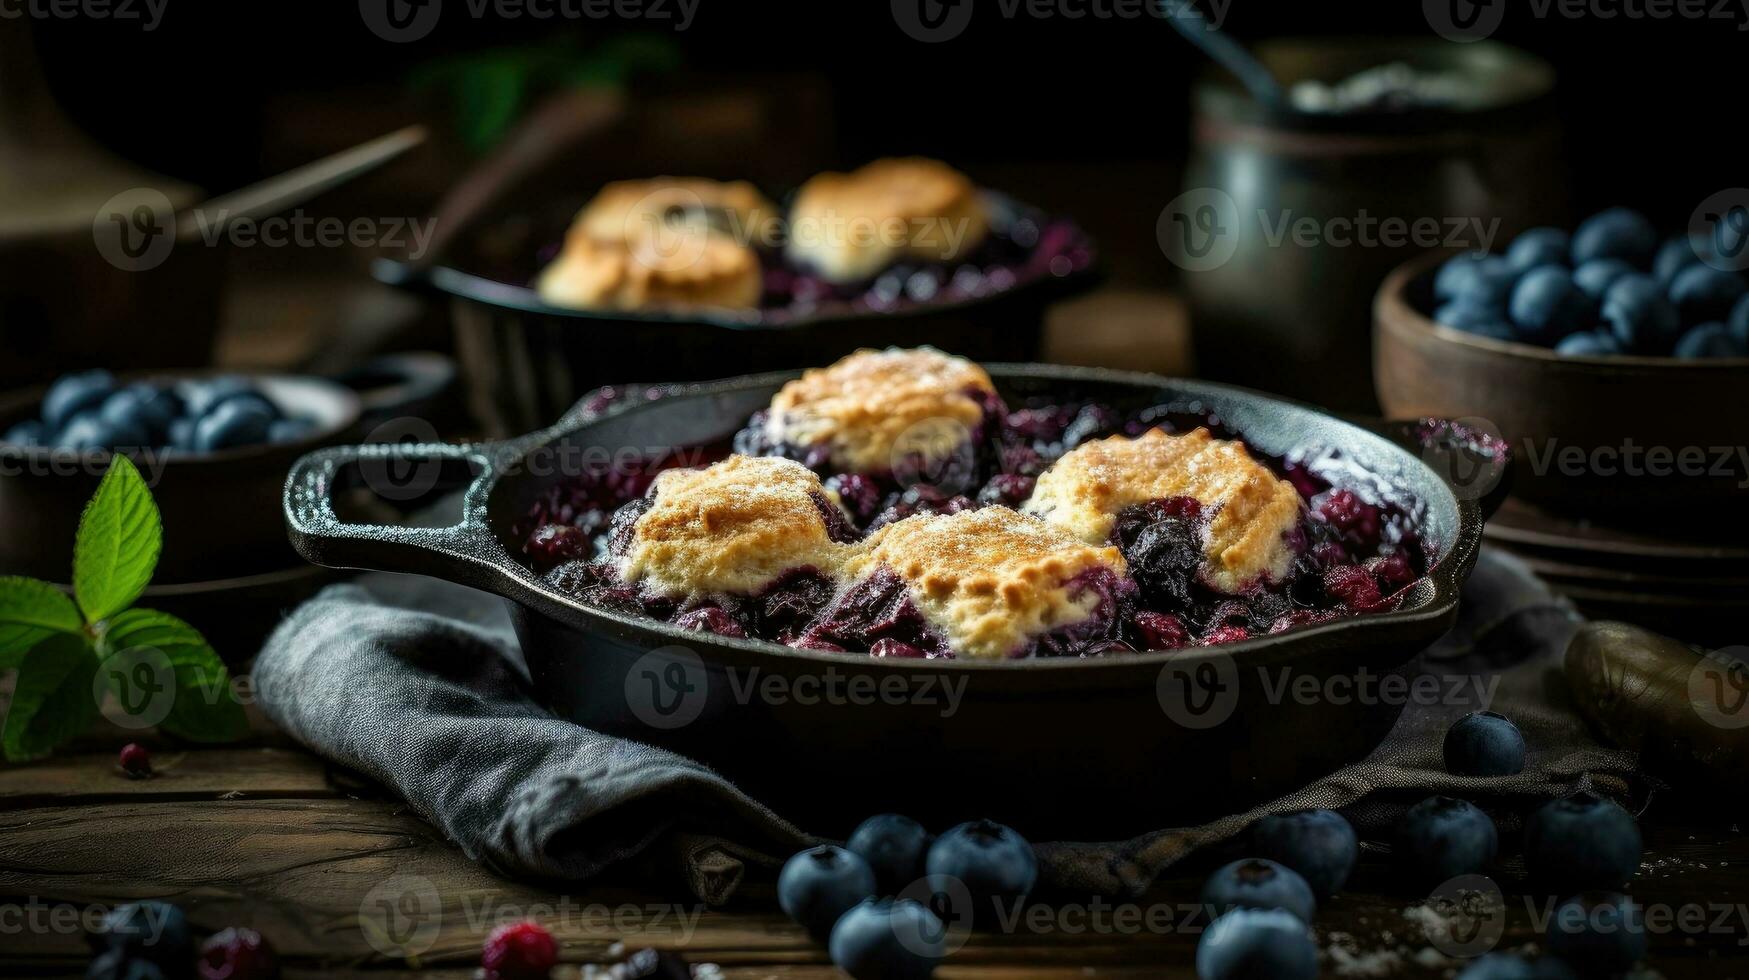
<point x="466" y="552"/>
<point x="1476" y="464"/>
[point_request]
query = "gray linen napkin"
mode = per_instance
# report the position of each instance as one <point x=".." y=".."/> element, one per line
<point x="420" y="685"/>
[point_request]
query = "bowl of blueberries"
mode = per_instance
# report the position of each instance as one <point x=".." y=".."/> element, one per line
<point x="1611" y="357"/>
<point x="213" y="447"/>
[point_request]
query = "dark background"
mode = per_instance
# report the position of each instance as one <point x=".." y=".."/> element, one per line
<point x="1652" y="108"/>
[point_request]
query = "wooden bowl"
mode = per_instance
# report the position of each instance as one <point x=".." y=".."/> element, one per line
<point x="1643" y="442"/>
<point x="221" y="511"/>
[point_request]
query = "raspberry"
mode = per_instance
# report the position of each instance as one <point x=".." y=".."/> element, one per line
<point x="237" y="954"/>
<point x="1355" y="518"/>
<point x="519" y="951"/>
<point x="136" y="761"/>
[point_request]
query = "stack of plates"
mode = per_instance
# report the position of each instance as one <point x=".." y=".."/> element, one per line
<point x="1688" y="587"/>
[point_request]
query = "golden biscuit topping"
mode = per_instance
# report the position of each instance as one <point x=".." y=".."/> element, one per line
<point x="873" y="407"/>
<point x="1250" y="510"/>
<point x="732" y="527"/>
<point x="670" y="269"/>
<point x="848" y="227"/>
<point x="989" y="579"/>
<point x="629" y="209"/>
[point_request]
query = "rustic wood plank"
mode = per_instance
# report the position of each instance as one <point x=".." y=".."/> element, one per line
<point x="178" y="775"/>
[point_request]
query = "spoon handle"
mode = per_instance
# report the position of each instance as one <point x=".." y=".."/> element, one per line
<point x="1226" y="52"/>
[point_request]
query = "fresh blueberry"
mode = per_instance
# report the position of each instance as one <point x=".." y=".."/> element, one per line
<point x="1709" y="340"/>
<point x="996" y="865"/>
<point x="1617" y="233"/>
<point x="1441" y="838"/>
<point x="1591" y="343"/>
<point x="1582" y="843"/>
<point x="1642" y="319"/>
<point x="1738" y="324"/>
<point x="1703" y="294"/>
<point x="29" y="433"/>
<point x="1481" y="321"/>
<point x="1596" y="276"/>
<point x="1484" y="744"/>
<point x="73" y="394"/>
<point x="1546" y="305"/>
<point x="290" y="430"/>
<point x="1257" y="944"/>
<point x="140" y="404"/>
<point x="1537" y="247"/>
<point x="1255" y="883"/>
<point x="89" y="431"/>
<point x="238" y="422"/>
<point x="115" y="965"/>
<point x="1599" y="933"/>
<point x="894" y="846"/>
<point x="1484" y="280"/>
<point x="1319" y="844"/>
<point x="882" y="939"/>
<point x="157" y="932"/>
<point x="202" y="395"/>
<point x="817" y="885"/>
<point x="1507" y="966"/>
<point x="1675" y="255"/>
<point x="181" y="434"/>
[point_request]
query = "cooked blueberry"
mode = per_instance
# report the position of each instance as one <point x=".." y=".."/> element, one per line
<point x="1709" y="340"/>
<point x="156" y="932"/>
<point x="1738" y="325"/>
<point x="1441" y="838"/>
<point x="1538" y="247"/>
<point x="1507" y="966"/>
<point x="89" y="431"/>
<point x="29" y="433"/>
<point x="1352" y="586"/>
<point x="1319" y="844"/>
<point x="1484" y="744"/>
<point x="857" y="494"/>
<point x="1164" y="556"/>
<point x="817" y="885"/>
<point x="236" y="422"/>
<point x="143" y="406"/>
<point x="75" y="393"/>
<point x="1617" y="233"/>
<point x="996" y="865"/>
<point x="880" y="939"/>
<point x="1479" y="320"/>
<point x="894" y="846"/>
<point x="710" y="619"/>
<point x="1597" y="275"/>
<point x="1675" y="255"/>
<point x="1160" y="631"/>
<point x="290" y="430"/>
<point x="1598" y="933"/>
<point x="1256" y="944"/>
<point x="1582" y="843"/>
<point x="1256" y="883"/>
<point x="1479" y="280"/>
<point x="1591" y="343"/>
<point x="1546" y="305"/>
<point x="1007" y="489"/>
<point x="1703" y="294"/>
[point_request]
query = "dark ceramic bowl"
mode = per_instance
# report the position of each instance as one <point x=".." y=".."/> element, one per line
<point x="1065" y="748"/>
<point x="1576" y="425"/>
<point x="221" y="511"/>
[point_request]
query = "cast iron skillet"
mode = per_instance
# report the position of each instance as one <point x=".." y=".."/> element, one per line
<point x="1076" y="749"/>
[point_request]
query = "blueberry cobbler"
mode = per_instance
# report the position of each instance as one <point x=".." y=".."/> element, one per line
<point x="891" y="235"/>
<point x="1037" y="529"/>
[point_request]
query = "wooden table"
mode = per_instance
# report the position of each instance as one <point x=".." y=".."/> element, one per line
<point x="266" y="835"/>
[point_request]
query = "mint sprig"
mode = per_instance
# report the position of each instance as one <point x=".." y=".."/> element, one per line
<point x="73" y="654"/>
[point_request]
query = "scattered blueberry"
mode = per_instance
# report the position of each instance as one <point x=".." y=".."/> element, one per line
<point x="28" y="434"/>
<point x="997" y="865"/>
<point x="1255" y="883"/>
<point x="883" y="939"/>
<point x="1319" y="844"/>
<point x="157" y="932"/>
<point x="1441" y="838"/>
<point x="1597" y="275"/>
<point x="233" y="423"/>
<point x="518" y="951"/>
<point x="241" y="954"/>
<point x="1256" y="944"/>
<point x="1703" y="294"/>
<point x="1546" y="305"/>
<point x="1598" y="933"/>
<point x="1617" y="233"/>
<point x="73" y="394"/>
<point x="1582" y="843"/>
<point x="1707" y="341"/>
<point x="1591" y="343"/>
<point x="135" y="761"/>
<point x="1484" y="744"/>
<point x="1640" y="317"/>
<point x="1507" y="966"/>
<point x="818" y="885"/>
<point x="894" y="847"/>
<point x="1538" y="247"/>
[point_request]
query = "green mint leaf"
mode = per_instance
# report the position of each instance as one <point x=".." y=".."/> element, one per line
<point x="53" y="699"/>
<point x="29" y="612"/>
<point x="118" y="543"/>
<point x="163" y="672"/>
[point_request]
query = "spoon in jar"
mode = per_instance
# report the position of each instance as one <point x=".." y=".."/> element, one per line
<point x="1229" y="54"/>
